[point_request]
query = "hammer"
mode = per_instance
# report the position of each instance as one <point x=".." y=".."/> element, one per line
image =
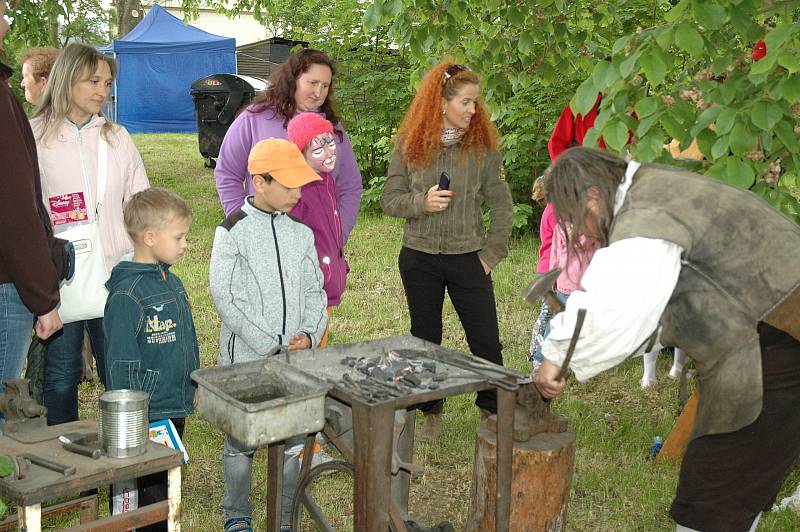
<point x="542" y="287"/>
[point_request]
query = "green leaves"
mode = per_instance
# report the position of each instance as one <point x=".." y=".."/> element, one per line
<point x="6" y="466"/>
<point x="585" y="97"/>
<point x="647" y="106"/>
<point x="785" y="132"/>
<point x="710" y="15"/>
<point x="653" y="67"/>
<point x="790" y="88"/>
<point x="525" y="42"/>
<point x="677" y="11"/>
<point x="788" y="59"/>
<point x="686" y="72"/>
<point x="615" y="135"/>
<point x="604" y="74"/>
<point x="775" y="38"/>
<point x="765" y="115"/>
<point x="725" y="120"/>
<point x="688" y="39"/>
<point x="738" y="173"/>
<point x="742" y="139"/>
<point x="372" y="16"/>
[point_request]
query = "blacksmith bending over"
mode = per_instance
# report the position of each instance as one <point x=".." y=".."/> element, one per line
<point x="713" y="270"/>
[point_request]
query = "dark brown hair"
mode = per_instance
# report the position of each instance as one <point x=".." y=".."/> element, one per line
<point x="279" y="98"/>
<point x="567" y="182"/>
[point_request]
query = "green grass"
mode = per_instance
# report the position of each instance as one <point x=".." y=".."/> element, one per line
<point x="615" y="487"/>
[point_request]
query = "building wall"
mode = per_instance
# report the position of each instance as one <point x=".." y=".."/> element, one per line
<point x="244" y="27"/>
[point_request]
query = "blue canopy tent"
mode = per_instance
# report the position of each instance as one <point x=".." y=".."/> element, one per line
<point x="158" y="61"/>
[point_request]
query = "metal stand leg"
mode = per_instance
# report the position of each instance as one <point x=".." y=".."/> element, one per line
<point x="373" y="429"/>
<point x="505" y="447"/>
<point x="405" y="450"/>
<point x="30" y="518"/>
<point x="274" y="486"/>
<point x="174" y="498"/>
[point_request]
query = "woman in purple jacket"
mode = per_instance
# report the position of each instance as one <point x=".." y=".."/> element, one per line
<point x="304" y="82"/>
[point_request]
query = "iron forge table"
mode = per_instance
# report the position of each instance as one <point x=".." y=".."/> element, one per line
<point x="376" y="493"/>
<point x="41" y="484"/>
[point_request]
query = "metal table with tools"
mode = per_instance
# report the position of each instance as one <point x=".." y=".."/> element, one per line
<point x="378" y="498"/>
<point x="50" y="471"/>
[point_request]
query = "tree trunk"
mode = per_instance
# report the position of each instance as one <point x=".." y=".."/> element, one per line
<point x="541" y="475"/>
<point x="129" y="14"/>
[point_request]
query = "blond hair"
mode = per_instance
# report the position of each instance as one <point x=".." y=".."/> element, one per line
<point x="153" y="208"/>
<point x="77" y="62"/>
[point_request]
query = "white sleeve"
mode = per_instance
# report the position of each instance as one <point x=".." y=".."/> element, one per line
<point x="626" y="288"/>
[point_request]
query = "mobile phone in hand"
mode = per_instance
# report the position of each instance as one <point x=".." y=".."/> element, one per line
<point x="444" y="181"/>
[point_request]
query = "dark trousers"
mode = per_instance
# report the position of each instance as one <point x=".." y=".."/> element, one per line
<point x="64" y="367"/>
<point x="727" y="479"/>
<point x="153" y="488"/>
<point x="425" y="279"/>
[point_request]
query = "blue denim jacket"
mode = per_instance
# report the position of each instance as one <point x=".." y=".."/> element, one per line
<point x="151" y="343"/>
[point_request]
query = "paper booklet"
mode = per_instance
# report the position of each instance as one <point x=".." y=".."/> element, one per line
<point x="164" y="433"/>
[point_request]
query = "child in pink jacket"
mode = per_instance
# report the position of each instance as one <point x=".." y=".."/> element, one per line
<point x="553" y="254"/>
<point x="546" y="226"/>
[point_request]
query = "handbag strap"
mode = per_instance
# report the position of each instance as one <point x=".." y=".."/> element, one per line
<point x="102" y="173"/>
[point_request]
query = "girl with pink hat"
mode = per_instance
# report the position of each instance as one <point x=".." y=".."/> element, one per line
<point x="318" y="208"/>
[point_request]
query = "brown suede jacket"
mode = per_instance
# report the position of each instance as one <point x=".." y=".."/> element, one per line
<point x="459" y="229"/>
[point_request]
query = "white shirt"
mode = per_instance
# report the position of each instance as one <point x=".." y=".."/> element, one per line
<point x="626" y="288"/>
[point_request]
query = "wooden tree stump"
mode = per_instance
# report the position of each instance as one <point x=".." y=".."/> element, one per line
<point x="541" y="475"/>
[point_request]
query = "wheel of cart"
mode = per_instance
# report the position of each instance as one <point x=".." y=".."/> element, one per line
<point x="313" y="494"/>
<point x="326" y="477"/>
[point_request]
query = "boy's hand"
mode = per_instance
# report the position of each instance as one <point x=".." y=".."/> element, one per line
<point x="299" y="341"/>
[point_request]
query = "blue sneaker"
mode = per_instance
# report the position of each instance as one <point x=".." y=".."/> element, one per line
<point x="239" y="524"/>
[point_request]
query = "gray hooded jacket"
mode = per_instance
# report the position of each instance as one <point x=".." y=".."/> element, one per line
<point x="265" y="283"/>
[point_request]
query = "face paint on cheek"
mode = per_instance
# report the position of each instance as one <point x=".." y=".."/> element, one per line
<point x="329" y="163"/>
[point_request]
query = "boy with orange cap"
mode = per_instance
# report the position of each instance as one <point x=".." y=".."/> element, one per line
<point x="267" y="288"/>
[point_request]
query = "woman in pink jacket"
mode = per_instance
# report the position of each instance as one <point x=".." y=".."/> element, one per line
<point x="89" y="168"/>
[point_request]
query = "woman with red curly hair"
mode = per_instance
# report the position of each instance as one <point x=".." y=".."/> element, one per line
<point x="446" y="136"/>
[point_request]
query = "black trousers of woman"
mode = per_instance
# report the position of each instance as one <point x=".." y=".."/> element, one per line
<point x="425" y="278"/>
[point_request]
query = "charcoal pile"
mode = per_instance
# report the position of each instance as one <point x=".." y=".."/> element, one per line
<point x="395" y="373"/>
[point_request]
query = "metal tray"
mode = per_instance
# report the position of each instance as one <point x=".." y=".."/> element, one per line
<point x="262" y="401"/>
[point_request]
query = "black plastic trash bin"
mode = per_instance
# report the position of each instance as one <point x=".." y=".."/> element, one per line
<point x="217" y="99"/>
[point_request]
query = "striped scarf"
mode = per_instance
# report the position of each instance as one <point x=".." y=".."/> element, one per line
<point x="451" y="135"/>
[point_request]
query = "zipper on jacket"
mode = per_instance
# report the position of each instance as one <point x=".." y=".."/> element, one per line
<point x="280" y="271"/>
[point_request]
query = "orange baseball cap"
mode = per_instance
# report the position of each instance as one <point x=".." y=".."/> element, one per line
<point x="283" y="161"/>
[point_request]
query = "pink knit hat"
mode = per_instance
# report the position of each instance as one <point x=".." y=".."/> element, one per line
<point x="304" y="127"/>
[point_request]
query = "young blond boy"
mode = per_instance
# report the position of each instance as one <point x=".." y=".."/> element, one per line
<point x="151" y="344"/>
<point x="267" y="288"/>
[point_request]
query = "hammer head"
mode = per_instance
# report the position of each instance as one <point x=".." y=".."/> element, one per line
<point x="540" y="286"/>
